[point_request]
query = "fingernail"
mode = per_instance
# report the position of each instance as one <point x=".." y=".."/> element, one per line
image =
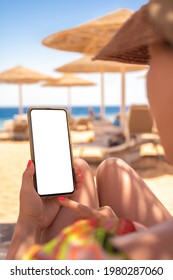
<point x="61" y="198"/>
<point x="29" y="163"/>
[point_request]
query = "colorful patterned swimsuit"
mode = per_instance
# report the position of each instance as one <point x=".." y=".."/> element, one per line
<point x="84" y="239"/>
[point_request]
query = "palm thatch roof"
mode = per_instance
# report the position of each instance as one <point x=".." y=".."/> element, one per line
<point x="87" y="65"/>
<point x="21" y="75"/>
<point x="68" y="79"/>
<point x="91" y="36"/>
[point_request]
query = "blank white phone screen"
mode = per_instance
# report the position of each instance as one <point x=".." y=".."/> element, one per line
<point x="52" y="152"/>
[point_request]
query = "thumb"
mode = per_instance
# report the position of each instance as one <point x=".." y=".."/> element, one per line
<point x="27" y="181"/>
<point x="29" y="172"/>
<point x="30" y="168"/>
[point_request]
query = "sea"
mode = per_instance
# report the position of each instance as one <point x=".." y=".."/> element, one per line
<point x="7" y="113"/>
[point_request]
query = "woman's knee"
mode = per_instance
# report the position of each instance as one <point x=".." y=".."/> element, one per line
<point x="82" y="164"/>
<point x="109" y="165"/>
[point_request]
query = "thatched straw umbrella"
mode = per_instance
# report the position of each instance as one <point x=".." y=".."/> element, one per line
<point x="87" y="65"/>
<point x="21" y="75"/>
<point x="68" y="80"/>
<point x="89" y="37"/>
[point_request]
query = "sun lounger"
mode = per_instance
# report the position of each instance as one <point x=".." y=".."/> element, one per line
<point x="87" y="136"/>
<point x="96" y="154"/>
<point x="140" y="124"/>
<point x="81" y="130"/>
<point x="15" y="129"/>
<point x="20" y="131"/>
<point x="140" y="119"/>
<point x="8" y="125"/>
<point x="81" y="124"/>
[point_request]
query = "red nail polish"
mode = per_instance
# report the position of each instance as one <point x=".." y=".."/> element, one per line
<point x="61" y="198"/>
<point x="29" y="163"/>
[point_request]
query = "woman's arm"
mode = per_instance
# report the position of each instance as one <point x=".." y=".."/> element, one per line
<point x="35" y="215"/>
<point x="26" y="234"/>
<point x="156" y="243"/>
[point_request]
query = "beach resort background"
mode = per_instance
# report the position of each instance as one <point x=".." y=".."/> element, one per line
<point x="24" y="25"/>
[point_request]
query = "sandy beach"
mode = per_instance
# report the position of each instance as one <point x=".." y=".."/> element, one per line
<point x="14" y="157"/>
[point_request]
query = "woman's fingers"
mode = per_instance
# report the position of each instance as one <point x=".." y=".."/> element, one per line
<point x="87" y="212"/>
<point x="83" y="210"/>
<point x="106" y="212"/>
<point x="29" y="171"/>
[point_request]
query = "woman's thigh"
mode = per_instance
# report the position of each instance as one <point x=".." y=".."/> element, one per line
<point x="121" y="188"/>
<point x="86" y="195"/>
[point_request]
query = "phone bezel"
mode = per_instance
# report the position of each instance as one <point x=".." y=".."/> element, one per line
<point x="31" y="141"/>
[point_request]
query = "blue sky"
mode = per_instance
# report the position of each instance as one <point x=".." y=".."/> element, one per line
<point x="25" y="23"/>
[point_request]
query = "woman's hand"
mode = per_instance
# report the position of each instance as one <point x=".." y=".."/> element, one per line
<point x="86" y="212"/>
<point x="104" y="215"/>
<point x="35" y="214"/>
<point x="41" y="211"/>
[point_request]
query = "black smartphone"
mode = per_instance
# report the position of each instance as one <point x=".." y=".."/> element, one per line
<point x="51" y="151"/>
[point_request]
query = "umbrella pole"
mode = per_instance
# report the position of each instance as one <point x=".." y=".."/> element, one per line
<point x="69" y="99"/>
<point x="124" y="120"/>
<point x="20" y="100"/>
<point x="102" y="110"/>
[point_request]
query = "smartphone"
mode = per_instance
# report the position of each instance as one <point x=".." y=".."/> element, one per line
<point x="51" y="151"/>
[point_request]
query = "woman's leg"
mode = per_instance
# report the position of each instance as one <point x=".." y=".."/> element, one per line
<point x="121" y="188"/>
<point x="86" y="195"/>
